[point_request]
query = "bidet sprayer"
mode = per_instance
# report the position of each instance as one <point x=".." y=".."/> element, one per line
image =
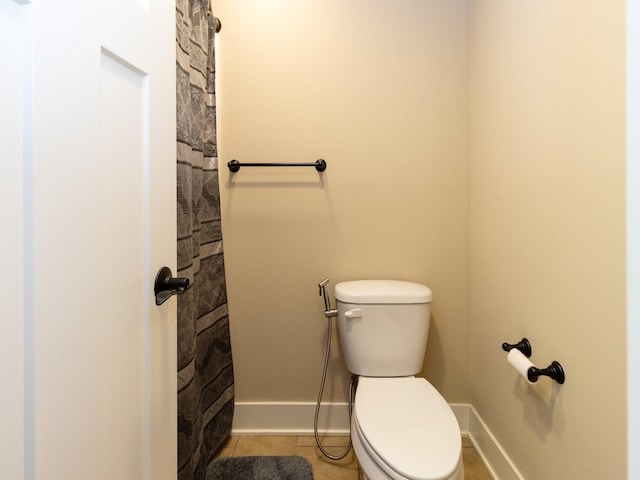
<point x="328" y="311"/>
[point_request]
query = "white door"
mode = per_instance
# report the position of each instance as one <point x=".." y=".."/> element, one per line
<point x="96" y="212"/>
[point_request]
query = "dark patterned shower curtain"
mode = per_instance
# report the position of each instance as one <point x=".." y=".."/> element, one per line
<point x="205" y="370"/>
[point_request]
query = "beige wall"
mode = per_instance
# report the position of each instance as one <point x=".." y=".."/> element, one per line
<point x="380" y="90"/>
<point x="525" y="240"/>
<point x="547" y="230"/>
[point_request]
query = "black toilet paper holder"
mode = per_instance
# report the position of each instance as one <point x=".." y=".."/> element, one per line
<point x="553" y="371"/>
<point x="523" y="345"/>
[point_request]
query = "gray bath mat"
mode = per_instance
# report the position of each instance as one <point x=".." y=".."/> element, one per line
<point x="260" y="468"/>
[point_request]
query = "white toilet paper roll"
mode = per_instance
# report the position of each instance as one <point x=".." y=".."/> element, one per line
<point x="521" y="363"/>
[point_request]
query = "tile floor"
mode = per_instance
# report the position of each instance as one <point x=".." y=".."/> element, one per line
<point x="323" y="468"/>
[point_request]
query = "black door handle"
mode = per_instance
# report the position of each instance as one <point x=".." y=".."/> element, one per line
<point x="165" y="285"/>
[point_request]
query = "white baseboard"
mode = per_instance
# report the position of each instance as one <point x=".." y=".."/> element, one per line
<point x="289" y="418"/>
<point x="296" y="418"/>
<point x="461" y="411"/>
<point x="495" y="458"/>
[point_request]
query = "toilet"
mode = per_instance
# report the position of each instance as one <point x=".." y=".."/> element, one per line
<point x="401" y="427"/>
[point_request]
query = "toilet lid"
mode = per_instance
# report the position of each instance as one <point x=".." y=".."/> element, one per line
<point x="409" y="426"/>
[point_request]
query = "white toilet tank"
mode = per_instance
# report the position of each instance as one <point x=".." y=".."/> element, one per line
<point x="383" y="326"/>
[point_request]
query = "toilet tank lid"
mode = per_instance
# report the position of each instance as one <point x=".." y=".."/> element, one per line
<point x="381" y="292"/>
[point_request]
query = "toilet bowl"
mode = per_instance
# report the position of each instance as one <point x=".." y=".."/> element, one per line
<point x="403" y="429"/>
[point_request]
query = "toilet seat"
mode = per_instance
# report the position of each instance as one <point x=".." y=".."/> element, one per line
<point x="407" y="427"/>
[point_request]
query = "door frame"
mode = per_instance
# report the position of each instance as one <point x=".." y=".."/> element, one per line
<point x="16" y="254"/>
<point x="633" y="236"/>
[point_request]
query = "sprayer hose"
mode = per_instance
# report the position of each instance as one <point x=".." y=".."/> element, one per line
<point x="352" y="386"/>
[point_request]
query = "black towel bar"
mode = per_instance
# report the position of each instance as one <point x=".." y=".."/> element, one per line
<point x="320" y="165"/>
